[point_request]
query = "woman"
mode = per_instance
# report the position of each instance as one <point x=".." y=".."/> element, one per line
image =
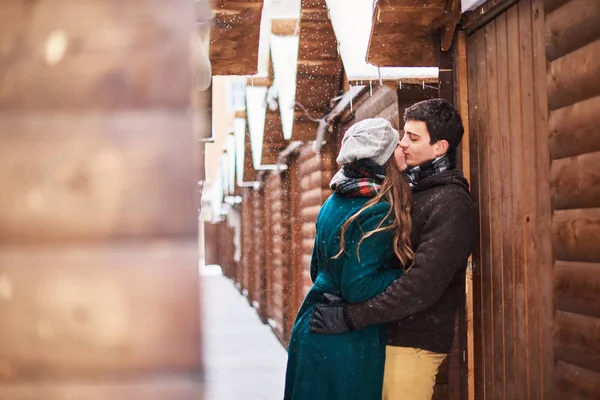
<point x="362" y="241"/>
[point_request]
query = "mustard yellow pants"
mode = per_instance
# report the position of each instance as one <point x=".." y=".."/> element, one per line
<point x="410" y="373"/>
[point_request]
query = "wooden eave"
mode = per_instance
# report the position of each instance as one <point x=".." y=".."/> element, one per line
<point x="405" y="33"/>
<point x="234" y="37"/>
<point x="319" y="68"/>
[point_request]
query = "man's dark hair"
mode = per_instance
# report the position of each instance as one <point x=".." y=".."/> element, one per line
<point x="442" y="120"/>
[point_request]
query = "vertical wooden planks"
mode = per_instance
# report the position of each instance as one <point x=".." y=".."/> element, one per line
<point x="517" y="219"/>
<point x="258" y="236"/>
<point x="462" y="105"/>
<point x="479" y="367"/>
<point x="531" y="236"/>
<point x="482" y="123"/>
<point x="546" y="313"/>
<point x="507" y="231"/>
<point x="512" y="267"/>
<point x="495" y="209"/>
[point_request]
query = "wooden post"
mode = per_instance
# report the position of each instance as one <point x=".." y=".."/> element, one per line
<point x="98" y="214"/>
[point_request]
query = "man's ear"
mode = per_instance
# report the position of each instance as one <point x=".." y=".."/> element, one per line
<point x="441" y="147"/>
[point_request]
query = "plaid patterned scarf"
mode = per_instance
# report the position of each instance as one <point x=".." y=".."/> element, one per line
<point x="362" y="178"/>
<point x="429" y="168"/>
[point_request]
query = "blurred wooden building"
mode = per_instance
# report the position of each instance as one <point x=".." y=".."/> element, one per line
<point x="103" y="111"/>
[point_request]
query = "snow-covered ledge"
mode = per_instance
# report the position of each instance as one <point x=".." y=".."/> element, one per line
<point x="352" y="27"/>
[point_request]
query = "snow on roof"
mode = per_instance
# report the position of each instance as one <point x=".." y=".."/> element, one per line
<point x="230" y="161"/>
<point x="352" y="27"/>
<point x="256" y="107"/>
<point x="272" y="9"/>
<point x="284" y="51"/>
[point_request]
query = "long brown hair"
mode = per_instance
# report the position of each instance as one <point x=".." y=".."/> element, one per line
<point x="396" y="192"/>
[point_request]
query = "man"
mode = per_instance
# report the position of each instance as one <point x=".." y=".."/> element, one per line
<point x="420" y="307"/>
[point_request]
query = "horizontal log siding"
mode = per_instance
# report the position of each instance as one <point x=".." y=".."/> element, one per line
<point x="573" y="52"/>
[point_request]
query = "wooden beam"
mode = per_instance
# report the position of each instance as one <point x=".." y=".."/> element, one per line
<point x="577" y="287"/>
<point x="574" y="77"/>
<point x="402" y="34"/>
<point x="152" y="388"/>
<point x="403" y="45"/>
<point x="462" y="105"/>
<point x="77" y="307"/>
<point x="80" y="50"/>
<point x="574" y="129"/>
<point x="551" y="5"/>
<point x="234" y="38"/>
<point x="573" y="382"/>
<point x="575" y="182"/>
<point x="449" y="20"/>
<point x="482" y="15"/>
<point x="62" y="194"/>
<point x="571" y="27"/>
<point x="576" y="234"/>
<point x="285" y="27"/>
<point x="576" y="340"/>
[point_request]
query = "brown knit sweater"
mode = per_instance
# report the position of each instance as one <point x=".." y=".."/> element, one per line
<point x="420" y="307"/>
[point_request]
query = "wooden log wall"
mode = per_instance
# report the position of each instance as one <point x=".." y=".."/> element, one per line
<point x="572" y="37"/>
<point x="245" y="273"/>
<point x="311" y="175"/>
<point x="381" y="102"/>
<point x="278" y="254"/>
<point x="212" y="243"/>
<point x="510" y="178"/>
<point x="98" y="213"/>
<point x="258" y="284"/>
<point x="224" y="249"/>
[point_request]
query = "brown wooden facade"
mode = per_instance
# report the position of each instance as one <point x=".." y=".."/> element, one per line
<point x="572" y="39"/>
<point x="278" y="252"/>
<point x="532" y="82"/>
<point x="98" y="213"/>
<point x="510" y="179"/>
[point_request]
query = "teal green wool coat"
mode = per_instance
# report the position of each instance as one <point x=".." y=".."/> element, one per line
<point x="350" y="365"/>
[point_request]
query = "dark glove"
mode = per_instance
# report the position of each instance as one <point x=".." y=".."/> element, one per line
<point x="331" y="317"/>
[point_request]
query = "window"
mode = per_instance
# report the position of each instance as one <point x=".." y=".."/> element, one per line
<point x="236" y="94"/>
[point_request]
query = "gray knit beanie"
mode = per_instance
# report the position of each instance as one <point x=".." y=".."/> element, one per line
<point x="372" y="138"/>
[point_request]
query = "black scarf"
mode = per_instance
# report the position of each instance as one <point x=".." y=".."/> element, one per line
<point x="429" y="168"/>
<point x="362" y="178"/>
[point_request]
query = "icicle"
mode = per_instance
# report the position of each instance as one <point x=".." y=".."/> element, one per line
<point x="252" y="82"/>
<point x="370" y="88"/>
<point x="400" y="84"/>
<point x="380" y="78"/>
<point x="423" y="85"/>
<point x="350" y="98"/>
